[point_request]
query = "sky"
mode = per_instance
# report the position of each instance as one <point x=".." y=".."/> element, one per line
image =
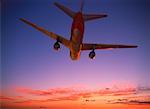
<point x="34" y="75"/>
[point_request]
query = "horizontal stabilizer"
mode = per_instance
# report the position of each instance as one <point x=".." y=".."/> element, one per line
<point x="86" y="46"/>
<point x="88" y="17"/>
<point x="65" y="9"/>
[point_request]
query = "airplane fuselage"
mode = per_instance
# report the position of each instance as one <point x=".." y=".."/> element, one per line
<point x="77" y="31"/>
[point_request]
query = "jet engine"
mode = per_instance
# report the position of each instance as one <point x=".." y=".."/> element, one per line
<point x="56" y="46"/>
<point x="92" y="54"/>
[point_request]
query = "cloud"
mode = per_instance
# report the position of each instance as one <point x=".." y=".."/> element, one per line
<point x="126" y="101"/>
<point x="125" y="96"/>
<point x="6" y="98"/>
<point x="73" y="97"/>
<point x="118" y="92"/>
<point x="43" y="107"/>
<point x="29" y="101"/>
<point x="70" y="98"/>
<point x="67" y="98"/>
<point x="139" y="102"/>
<point x="63" y="98"/>
<point x="143" y="88"/>
<point x="90" y="100"/>
<point x="45" y="92"/>
<point x="83" y="93"/>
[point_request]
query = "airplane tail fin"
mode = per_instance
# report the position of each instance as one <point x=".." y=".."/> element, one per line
<point x="66" y="10"/>
<point x="81" y="6"/>
<point x="86" y="17"/>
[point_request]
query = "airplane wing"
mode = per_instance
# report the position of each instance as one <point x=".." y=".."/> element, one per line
<point x="50" y="34"/>
<point x="87" y="46"/>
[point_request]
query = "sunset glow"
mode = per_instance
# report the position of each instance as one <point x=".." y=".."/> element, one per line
<point x="76" y="97"/>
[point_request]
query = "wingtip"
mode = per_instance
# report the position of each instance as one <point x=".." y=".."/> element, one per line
<point x="56" y="4"/>
<point x="21" y="19"/>
<point x="106" y="15"/>
<point x="136" y="46"/>
<point x="133" y="46"/>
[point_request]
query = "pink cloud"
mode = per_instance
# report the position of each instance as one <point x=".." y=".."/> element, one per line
<point x="72" y="94"/>
<point x="6" y="98"/>
<point x="127" y="95"/>
<point x="118" y="92"/>
<point x="74" y="91"/>
<point x="45" y="92"/>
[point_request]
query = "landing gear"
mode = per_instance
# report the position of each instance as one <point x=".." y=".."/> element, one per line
<point x="56" y="46"/>
<point x="92" y="54"/>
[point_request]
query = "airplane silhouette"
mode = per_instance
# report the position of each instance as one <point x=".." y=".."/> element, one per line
<point x="75" y="43"/>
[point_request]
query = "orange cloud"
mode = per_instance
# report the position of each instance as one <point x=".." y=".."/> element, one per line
<point x="52" y="95"/>
<point x="45" y="92"/>
<point x="83" y="93"/>
<point x="74" y="95"/>
<point x="6" y="98"/>
<point x="135" y="102"/>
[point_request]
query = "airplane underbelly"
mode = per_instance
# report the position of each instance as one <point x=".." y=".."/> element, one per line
<point x="75" y="49"/>
<point x="75" y="45"/>
<point x="76" y="36"/>
<point x="75" y="55"/>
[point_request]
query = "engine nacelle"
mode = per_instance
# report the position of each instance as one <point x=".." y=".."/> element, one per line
<point x="92" y="54"/>
<point x="56" y="46"/>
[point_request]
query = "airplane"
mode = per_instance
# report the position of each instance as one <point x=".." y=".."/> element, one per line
<point x="75" y="44"/>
